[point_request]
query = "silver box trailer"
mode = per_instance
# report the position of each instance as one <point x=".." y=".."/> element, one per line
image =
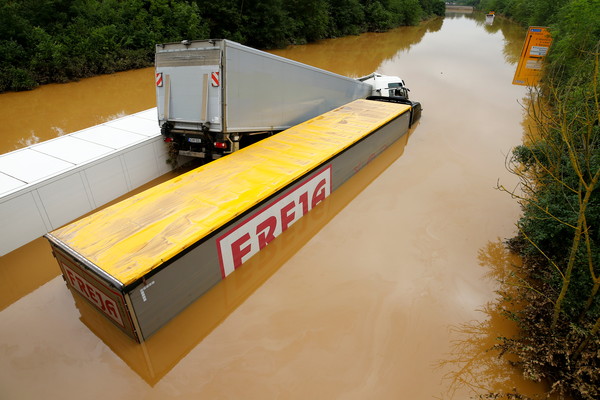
<point x="212" y="93"/>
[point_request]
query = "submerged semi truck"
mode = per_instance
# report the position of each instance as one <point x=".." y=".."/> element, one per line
<point x="214" y="96"/>
<point x="142" y="261"/>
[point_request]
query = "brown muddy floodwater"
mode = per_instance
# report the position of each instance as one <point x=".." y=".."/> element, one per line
<point x="367" y="297"/>
<point x="55" y="110"/>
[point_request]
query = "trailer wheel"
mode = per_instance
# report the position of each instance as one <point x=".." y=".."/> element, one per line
<point x="165" y="129"/>
<point x="173" y="155"/>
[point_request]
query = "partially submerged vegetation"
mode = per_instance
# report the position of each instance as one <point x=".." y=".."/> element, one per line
<point x="45" y="41"/>
<point x="554" y="296"/>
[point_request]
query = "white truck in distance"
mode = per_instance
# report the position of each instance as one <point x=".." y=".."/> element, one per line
<point x="215" y="96"/>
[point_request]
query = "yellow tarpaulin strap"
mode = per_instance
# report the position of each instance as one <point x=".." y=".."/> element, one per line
<point x="129" y="239"/>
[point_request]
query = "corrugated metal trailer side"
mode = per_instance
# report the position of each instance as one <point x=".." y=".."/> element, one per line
<point x="267" y="92"/>
<point x="142" y="261"/>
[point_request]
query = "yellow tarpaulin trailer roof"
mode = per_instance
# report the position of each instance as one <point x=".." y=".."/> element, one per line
<point x="133" y="237"/>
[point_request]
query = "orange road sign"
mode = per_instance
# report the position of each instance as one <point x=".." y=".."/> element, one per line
<point x="536" y="46"/>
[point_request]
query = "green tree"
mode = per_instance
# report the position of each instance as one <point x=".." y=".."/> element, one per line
<point x="15" y="47"/>
<point x="225" y="18"/>
<point x="410" y="12"/>
<point x="267" y="24"/>
<point x="377" y="17"/>
<point x="43" y="41"/>
<point x="347" y="17"/>
<point x="576" y="34"/>
<point x="559" y="170"/>
<point x="310" y="19"/>
<point x="439" y="8"/>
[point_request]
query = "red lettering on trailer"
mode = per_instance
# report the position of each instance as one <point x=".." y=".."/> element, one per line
<point x="320" y="193"/>
<point x="303" y="199"/>
<point x="237" y="251"/>
<point x="92" y="293"/>
<point x="287" y="215"/>
<point x="95" y="296"/>
<point x="265" y="236"/>
<point x="253" y="234"/>
<point x="112" y="310"/>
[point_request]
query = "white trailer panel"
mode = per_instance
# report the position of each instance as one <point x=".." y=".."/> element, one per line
<point x="72" y="149"/>
<point x="51" y="183"/>
<point x="28" y="165"/>
<point x="110" y="137"/>
<point x="8" y="183"/>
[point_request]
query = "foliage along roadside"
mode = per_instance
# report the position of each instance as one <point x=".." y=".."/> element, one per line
<point x="555" y="296"/>
<point x="46" y="41"/>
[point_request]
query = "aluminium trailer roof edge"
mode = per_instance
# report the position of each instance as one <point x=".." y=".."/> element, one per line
<point x="85" y="262"/>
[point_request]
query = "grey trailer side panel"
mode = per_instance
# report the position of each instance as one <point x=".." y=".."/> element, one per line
<point x="162" y="296"/>
<point x="355" y="158"/>
<point x="165" y="294"/>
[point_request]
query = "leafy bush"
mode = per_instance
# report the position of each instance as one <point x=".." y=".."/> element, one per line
<point x="559" y="169"/>
<point x="43" y="41"/>
<point x="61" y="40"/>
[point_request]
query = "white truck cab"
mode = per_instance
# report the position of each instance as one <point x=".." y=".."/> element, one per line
<point x="386" y="85"/>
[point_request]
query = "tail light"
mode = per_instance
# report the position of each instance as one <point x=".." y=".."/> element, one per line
<point x="220" y="145"/>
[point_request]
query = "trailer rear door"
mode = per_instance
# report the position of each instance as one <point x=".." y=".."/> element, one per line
<point x="188" y="85"/>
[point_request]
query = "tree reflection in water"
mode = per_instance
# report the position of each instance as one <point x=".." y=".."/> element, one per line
<point x="476" y="361"/>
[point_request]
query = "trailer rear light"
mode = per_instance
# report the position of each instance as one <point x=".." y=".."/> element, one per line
<point x="168" y="139"/>
<point x="220" y="145"/>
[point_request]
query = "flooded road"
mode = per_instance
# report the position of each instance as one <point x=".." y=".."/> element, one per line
<point x="364" y="298"/>
<point x="57" y="109"/>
